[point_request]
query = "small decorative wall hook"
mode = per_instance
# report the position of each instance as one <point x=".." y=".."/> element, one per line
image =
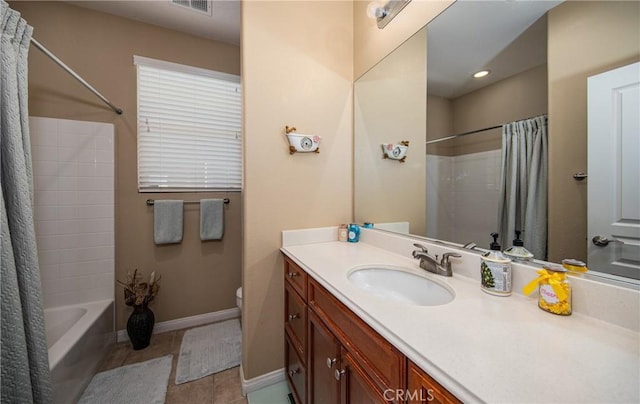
<point x="395" y="151"/>
<point x="300" y="142"/>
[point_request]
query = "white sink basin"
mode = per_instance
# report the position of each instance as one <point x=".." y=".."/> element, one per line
<point x="400" y="285"/>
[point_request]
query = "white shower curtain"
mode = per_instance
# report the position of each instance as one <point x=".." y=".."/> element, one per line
<point x="25" y="365"/>
<point x="523" y="185"/>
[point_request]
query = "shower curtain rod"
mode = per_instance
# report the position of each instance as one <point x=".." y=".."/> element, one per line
<point x="74" y="74"/>
<point x="442" y="139"/>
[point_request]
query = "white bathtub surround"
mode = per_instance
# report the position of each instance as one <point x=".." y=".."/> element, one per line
<point x="73" y="165"/>
<point x="78" y="337"/>
<point x="488" y="348"/>
<point x="462" y="196"/>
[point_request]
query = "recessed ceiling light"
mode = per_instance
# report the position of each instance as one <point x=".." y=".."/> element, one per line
<point x="481" y="73"/>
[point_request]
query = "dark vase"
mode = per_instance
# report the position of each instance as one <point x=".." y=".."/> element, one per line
<point x="140" y="326"/>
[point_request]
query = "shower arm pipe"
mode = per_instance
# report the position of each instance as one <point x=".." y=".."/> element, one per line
<point x="74" y="75"/>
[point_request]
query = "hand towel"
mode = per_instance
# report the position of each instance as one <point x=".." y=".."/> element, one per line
<point x="211" y="219"/>
<point x="167" y="221"/>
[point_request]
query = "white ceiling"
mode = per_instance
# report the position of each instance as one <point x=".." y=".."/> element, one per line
<point x="472" y="35"/>
<point x="222" y="25"/>
<point x="466" y="37"/>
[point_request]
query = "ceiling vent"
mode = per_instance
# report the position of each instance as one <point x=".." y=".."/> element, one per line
<point x="200" y="6"/>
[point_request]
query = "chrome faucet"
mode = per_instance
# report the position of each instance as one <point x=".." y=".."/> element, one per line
<point x="431" y="264"/>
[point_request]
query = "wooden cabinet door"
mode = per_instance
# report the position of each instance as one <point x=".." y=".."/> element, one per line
<point x="422" y="388"/>
<point x="356" y="387"/>
<point x="323" y="361"/>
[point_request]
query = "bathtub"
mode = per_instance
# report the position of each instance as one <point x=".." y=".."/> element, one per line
<point x="78" y="337"/>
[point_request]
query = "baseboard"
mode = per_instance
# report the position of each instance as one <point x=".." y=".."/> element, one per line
<point x="259" y="382"/>
<point x="187" y="322"/>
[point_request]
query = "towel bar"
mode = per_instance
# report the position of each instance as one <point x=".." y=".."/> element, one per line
<point x="151" y="202"/>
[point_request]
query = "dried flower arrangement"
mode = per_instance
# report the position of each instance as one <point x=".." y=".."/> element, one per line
<point x="138" y="293"/>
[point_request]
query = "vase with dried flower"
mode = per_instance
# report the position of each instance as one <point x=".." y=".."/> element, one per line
<point x="139" y="294"/>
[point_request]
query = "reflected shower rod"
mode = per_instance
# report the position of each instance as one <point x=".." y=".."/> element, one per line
<point x="74" y="75"/>
<point x="442" y="139"/>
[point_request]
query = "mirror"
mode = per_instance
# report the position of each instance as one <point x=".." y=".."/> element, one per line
<point x="442" y="188"/>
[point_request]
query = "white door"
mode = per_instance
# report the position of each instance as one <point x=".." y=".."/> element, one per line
<point x="613" y="234"/>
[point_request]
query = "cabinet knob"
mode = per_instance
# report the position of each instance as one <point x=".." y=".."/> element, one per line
<point x="294" y="371"/>
<point x="293" y="316"/>
<point x="292" y="274"/>
<point x="338" y="374"/>
<point x="331" y="362"/>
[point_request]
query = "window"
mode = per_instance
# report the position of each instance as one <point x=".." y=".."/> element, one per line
<point x="189" y="128"/>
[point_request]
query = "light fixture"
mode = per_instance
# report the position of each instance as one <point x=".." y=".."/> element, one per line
<point x="385" y="11"/>
<point x="481" y="73"/>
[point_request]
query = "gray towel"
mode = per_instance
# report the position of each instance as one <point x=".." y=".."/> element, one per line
<point x="167" y="222"/>
<point x="211" y="219"/>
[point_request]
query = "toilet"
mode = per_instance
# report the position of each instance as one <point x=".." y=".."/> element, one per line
<point x="239" y="299"/>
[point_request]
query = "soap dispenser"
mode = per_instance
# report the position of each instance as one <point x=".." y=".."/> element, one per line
<point x="495" y="270"/>
<point x="517" y="252"/>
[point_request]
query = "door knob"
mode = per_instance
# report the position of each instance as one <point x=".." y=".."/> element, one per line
<point x="603" y="241"/>
<point x="292" y="274"/>
<point x="293" y="372"/>
<point x="293" y="316"/>
<point x="338" y="374"/>
<point x="331" y="362"/>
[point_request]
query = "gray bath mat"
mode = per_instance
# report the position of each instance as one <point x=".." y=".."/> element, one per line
<point x="209" y="349"/>
<point x="144" y="382"/>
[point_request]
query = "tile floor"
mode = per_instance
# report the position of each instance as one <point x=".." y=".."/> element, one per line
<point x="220" y="388"/>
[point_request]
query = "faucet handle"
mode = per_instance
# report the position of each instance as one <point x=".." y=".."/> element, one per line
<point x="421" y="247"/>
<point x="445" y="257"/>
<point x="422" y="250"/>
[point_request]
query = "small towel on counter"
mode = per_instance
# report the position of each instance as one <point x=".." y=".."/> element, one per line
<point x="211" y="219"/>
<point x="167" y="221"/>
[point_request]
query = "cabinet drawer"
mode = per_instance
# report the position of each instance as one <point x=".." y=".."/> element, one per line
<point x="296" y="373"/>
<point x="384" y="363"/>
<point x="422" y="388"/>
<point x="296" y="277"/>
<point x="295" y="319"/>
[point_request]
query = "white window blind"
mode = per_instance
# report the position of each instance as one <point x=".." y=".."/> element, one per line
<point x="189" y="128"/>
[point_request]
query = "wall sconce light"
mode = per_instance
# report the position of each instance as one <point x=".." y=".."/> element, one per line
<point x="385" y="11"/>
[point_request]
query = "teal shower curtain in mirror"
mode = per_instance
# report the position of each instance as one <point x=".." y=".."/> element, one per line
<point x="25" y="364"/>
<point x="523" y="185"/>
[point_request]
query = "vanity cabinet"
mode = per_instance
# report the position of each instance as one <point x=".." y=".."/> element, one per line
<point x="333" y="356"/>
<point x="295" y="324"/>
<point x="425" y="389"/>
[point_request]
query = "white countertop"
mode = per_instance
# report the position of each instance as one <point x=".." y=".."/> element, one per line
<point x="483" y="347"/>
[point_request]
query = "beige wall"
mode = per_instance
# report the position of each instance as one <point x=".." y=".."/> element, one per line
<point x="297" y="67"/>
<point x="517" y="97"/>
<point x="521" y="96"/>
<point x="372" y="44"/>
<point x="585" y="38"/>
<point x="439" y="124"/>
<point x="389" y="106"/>
<point x="197" y="277"/>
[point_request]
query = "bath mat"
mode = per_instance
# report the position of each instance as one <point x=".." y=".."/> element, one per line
<point x="144" y="382"/>
<point x="209" y="349"/>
